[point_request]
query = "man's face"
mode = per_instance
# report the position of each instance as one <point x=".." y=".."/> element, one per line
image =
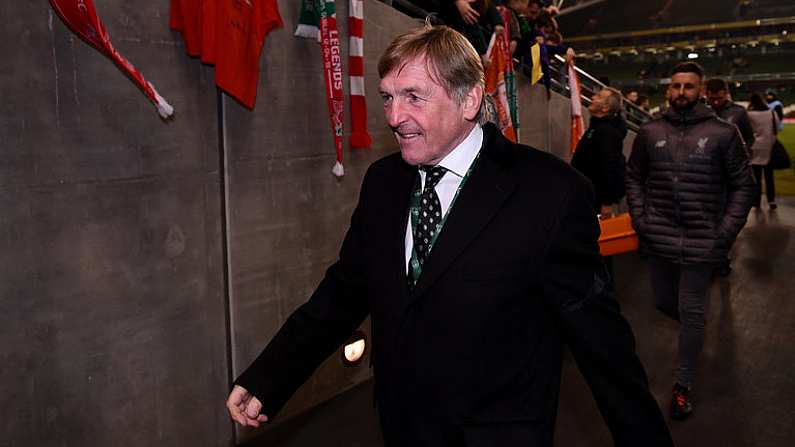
<point x="633" y="96"/>
<point x="598" y="106"/>
<point x="428" y="124"/>
<point x="717" y="99"/>
<point x="684" y="90"/>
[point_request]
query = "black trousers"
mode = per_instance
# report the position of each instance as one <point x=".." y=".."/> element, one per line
<point x="770" y="185"/>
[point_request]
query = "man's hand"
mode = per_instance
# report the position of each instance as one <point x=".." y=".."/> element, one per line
<point x="468" y="14"/>
<point x="244" y="408"/>
<point x="499" y="29"/>
<point x="607" y="211"/>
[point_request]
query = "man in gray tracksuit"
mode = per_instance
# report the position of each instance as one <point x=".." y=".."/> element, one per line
<point x="689" y="189"/>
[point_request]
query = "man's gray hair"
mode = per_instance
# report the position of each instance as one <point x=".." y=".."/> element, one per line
<point x="613" y="101"/>
<point x="451" y="60"/>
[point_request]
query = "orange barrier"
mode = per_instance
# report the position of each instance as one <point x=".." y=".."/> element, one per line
<point x="617" y="236"/>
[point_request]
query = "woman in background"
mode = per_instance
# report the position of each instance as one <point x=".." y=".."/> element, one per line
<point x="765" y="123"/>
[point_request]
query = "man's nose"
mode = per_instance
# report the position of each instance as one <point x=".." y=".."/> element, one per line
<point x="394" y="113"/>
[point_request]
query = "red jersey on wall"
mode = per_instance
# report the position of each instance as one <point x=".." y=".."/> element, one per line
<point x="186" y="17"/>
<point x="229" y="34"/>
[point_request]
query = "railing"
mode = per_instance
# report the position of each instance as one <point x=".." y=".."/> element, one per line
<point x="590" y="86"/>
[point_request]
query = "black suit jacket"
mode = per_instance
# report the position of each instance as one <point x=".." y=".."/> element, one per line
<point x="473" y="356"/>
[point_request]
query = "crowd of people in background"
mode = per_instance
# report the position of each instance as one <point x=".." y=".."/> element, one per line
<point x="522" y="22"/>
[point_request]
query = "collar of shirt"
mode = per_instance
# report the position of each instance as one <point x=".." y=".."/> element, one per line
<point x="460" y="159"/>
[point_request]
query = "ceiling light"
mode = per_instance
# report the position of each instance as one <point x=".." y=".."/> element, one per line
<point x="692" y="56"/>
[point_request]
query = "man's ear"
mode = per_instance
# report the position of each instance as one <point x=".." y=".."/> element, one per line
<point x="472" y="102"/>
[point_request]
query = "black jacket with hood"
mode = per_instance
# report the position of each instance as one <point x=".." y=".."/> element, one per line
<point x="600" y="157"/>
<point x="689" y="186"/>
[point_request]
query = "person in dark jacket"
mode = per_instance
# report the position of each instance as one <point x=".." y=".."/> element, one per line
<point x="599" y="155"/>
<point x="467" y="328"/>
<point x="719" y="99"/>
<point x="689" y="189"/>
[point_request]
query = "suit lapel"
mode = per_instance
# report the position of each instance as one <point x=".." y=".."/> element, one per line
<point x="489" y="185"/>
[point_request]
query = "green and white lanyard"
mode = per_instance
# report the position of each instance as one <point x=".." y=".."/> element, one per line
<point x="414" y="213"/>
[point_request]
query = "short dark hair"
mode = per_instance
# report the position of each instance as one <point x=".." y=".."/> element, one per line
<point x="715" y="85"/>
<point x="757" y="103"/>
<point x="688" y="67"/>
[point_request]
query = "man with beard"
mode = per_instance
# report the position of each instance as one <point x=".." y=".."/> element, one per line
<point x="719" y="99"/>
<point x="471" y="293"/>
<point x="689" y="189"/>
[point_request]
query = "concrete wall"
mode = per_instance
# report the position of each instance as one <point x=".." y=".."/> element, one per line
<point x="110" y="294"/>
<point x="115" y="328"/>
<point x="112" y="274"/>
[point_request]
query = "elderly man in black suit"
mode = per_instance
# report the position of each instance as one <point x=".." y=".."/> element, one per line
<point x="471" y="291"/>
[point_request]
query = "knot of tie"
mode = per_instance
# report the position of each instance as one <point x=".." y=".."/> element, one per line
<point x="432" y="176"/>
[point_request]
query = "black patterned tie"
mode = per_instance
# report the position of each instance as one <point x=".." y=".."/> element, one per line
<point x="429" y="220"/>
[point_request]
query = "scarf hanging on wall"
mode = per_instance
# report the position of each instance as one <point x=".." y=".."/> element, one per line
<point x="360" y="138"/>
<point x="321" y="15"/>
<point x="80" y="16"/>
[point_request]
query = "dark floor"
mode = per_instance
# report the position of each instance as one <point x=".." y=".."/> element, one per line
<point x="745" y="395"/>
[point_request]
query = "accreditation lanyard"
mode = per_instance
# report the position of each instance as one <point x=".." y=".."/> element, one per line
<point x="414" y="212"/>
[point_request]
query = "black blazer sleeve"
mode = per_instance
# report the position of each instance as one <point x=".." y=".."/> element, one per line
<point x="575" y="288"/>
<point x="317" y="328"/>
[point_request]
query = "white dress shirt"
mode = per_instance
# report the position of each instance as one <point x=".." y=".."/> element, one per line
<point x="457" y="164"/>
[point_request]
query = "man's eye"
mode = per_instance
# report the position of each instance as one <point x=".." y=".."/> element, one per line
<point x="413" y="98"/>
<point x="386" y="98"/>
